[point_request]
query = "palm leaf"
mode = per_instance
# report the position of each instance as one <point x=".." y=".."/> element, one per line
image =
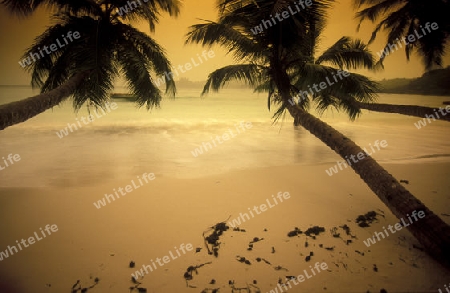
<point x="348" y="53"/>
<point x="248" y="73"/>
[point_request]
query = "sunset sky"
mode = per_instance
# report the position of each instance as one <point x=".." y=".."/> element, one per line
<point x="17" y="34"/>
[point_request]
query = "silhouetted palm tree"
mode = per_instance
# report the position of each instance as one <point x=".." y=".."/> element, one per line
<point x="281" y="59"/>
<point x="86" y="64"/>
<point x="401" y="18"/>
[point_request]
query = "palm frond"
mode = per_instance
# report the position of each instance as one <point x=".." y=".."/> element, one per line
<point x="403" y="18"/>
<point x="41" y="67"/>
<point x="135" y="69"/>
<point x="96" y="88"/>
<point x="23" y="8"/>
<point x="345" y="92"/>
<point x="348" y="53"/>
<point x="378" y="9"/>
<point x="140" y="10"/>
<point x="434" y="49"/>
<point x="248" y="73"/>
<point x="236" y="42"/>
<point x="154" y="54"/>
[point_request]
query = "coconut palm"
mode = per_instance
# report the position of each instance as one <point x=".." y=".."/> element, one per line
<point x="85" y="67"/>
<point x="281" y="60"/>
<point x="401" y="18"/>
<point x="404" y="17"/>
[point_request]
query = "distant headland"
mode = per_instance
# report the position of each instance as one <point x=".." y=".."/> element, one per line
<point x="434" y="82"/>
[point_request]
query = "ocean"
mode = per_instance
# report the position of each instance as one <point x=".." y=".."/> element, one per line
<point x="129" y="141"/>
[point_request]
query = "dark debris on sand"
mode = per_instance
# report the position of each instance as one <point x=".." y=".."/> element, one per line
<point x="243" y="260"/>
<point x="188" y="275"/>
<point x="294" y="232"/>
<point x="368" y="218"/>
<point x="250" y="288"/>
<point x="77" y="286"/>
<point x="137" y="287"/>
<point x="213" y="238"/>
<point x="314" y="231"/>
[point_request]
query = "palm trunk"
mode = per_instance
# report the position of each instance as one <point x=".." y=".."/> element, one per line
<point x="431" y="231"/>
<point x="410" y="110"/>
<point x="20" y="111"/>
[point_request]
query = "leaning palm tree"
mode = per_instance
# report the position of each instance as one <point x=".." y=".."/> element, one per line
<point x="401" y="18"/>
<point x="94" y="45"/>
<point x="280" y="59"/>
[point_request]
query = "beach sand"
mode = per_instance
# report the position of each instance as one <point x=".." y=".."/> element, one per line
<point x="152" y="220"/>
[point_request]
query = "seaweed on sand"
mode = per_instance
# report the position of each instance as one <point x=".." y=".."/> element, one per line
<point x="243" y="260"/>
<point x="188" y="274"/>
<point x="136" y="286"/>
<point x="139" y="289"/>
<point x="77" y="286"/>
<point x="258" y="259"/>
<point x="251" y="288"/>
<point x="213" y="238"/>
<point x="366" y="219"/>
<point x="294" y="232"/>
<point x="313" y="231"/>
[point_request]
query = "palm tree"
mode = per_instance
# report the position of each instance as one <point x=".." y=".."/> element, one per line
<point x="97" y="46"/>
<point x="409" y="110"/>
<point x="281" y="59"/>
<point x="402" y="18"/>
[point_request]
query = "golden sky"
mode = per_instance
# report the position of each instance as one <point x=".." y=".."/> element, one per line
<point x="17" y="34"/>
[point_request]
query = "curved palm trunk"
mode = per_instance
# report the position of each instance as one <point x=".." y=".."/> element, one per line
<point x="410" y="110"/>
<point x="20" y="111"/>
<point x="431" y="231"/>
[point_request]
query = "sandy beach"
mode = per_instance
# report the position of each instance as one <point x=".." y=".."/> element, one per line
<point x="199" y="146"/>
<point x="160" y="216"/>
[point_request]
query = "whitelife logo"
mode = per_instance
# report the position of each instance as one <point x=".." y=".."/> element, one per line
<point x="398" y="227"/>
<point x="319" y="267"/>
<point x="12" y="159"/>
<point x="165" y="259"/>
<point x="129" y="188"/>
<point x="422" y="123"/>
<point x="130" y="4"/>
<point x="226" y="136"/>
<point x="184" y="68"/>
<point x="31" y="240"/>
<point x="322" y="85"/>
<point x="262" y="207"/>
<point x="285" y="14"/>
<point x="86" y="120"/>
<point x="360" y="156"/>
<point x="446" y="289"/>
<point x="389" y="49"/>
<point x="53" y="48"/>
